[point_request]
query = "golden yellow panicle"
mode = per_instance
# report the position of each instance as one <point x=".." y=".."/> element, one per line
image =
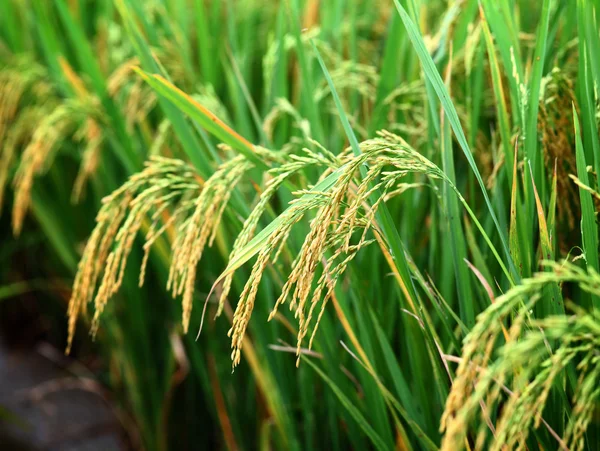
<point x="167" y="191"/>
<point x="123" y="214"/>
<point x="331" y="243"/>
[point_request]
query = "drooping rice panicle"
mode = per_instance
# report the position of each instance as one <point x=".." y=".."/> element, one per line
<point x="340" y="212"/>
<point x="483" y="373"/>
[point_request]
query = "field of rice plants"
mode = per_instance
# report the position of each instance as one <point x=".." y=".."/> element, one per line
<point x="309" y="224"/>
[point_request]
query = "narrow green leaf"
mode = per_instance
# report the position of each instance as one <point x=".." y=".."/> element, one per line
<point x="531" y="135"/>
<point x="183" y="131"/>
<point x="515" y="247"/>
<point x="453" y="218"/>
<point x="499" y="95"/>
<point x="438" y="85"/>
<point x="204" y="117"/>
<point x="306" y="74"/>
<point x="552" y="291"/>
<point x="589" y="227"/>
<point x="351" y="408"/>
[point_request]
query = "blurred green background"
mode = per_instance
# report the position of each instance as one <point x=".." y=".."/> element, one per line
<point x="76" y="121"/>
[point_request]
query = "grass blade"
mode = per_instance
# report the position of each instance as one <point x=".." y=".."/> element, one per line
<point x="438" y="85"/>
<point x="356" y="414"/>
<point x="589" y="228"/>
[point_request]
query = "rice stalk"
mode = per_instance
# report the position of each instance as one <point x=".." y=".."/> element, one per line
<point x="168" y="195"/>
<point x="527" y="362"/>
<point x="340" y="212"/>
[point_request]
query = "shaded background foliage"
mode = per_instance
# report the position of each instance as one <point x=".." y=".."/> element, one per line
<point x="77" y="121"/>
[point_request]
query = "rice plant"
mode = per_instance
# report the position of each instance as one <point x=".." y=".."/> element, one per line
<point x="382" y="216"/>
